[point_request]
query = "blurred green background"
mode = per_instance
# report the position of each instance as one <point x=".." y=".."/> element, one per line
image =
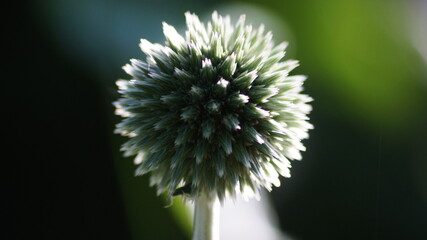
<point x="363" y="176"/>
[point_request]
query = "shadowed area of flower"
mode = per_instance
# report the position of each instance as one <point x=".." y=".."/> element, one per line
<point x="213" y="112"/>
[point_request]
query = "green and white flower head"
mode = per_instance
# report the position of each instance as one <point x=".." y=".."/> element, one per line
<point x="213" y="112"/>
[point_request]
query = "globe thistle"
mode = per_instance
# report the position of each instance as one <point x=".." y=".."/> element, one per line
<point x="213" y="112"/>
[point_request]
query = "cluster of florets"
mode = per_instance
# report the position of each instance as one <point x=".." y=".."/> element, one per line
<point x="214" y="112"/>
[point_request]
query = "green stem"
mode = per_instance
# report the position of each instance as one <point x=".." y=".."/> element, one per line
<point x="206" y="219"/>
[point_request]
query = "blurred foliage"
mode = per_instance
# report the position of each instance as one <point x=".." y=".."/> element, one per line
<point x="363" y="175"/>
<point x="357" y="52"/>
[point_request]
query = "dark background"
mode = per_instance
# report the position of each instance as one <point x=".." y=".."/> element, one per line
<point x="364" y="175"/>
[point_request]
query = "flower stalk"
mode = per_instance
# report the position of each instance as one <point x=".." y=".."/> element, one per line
<point x="206" y="218"/>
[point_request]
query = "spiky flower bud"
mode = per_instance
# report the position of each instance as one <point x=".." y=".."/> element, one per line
<point x="214" y="112"/>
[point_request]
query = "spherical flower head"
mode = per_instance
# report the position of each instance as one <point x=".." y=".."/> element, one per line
<point x="214" y="112"/>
